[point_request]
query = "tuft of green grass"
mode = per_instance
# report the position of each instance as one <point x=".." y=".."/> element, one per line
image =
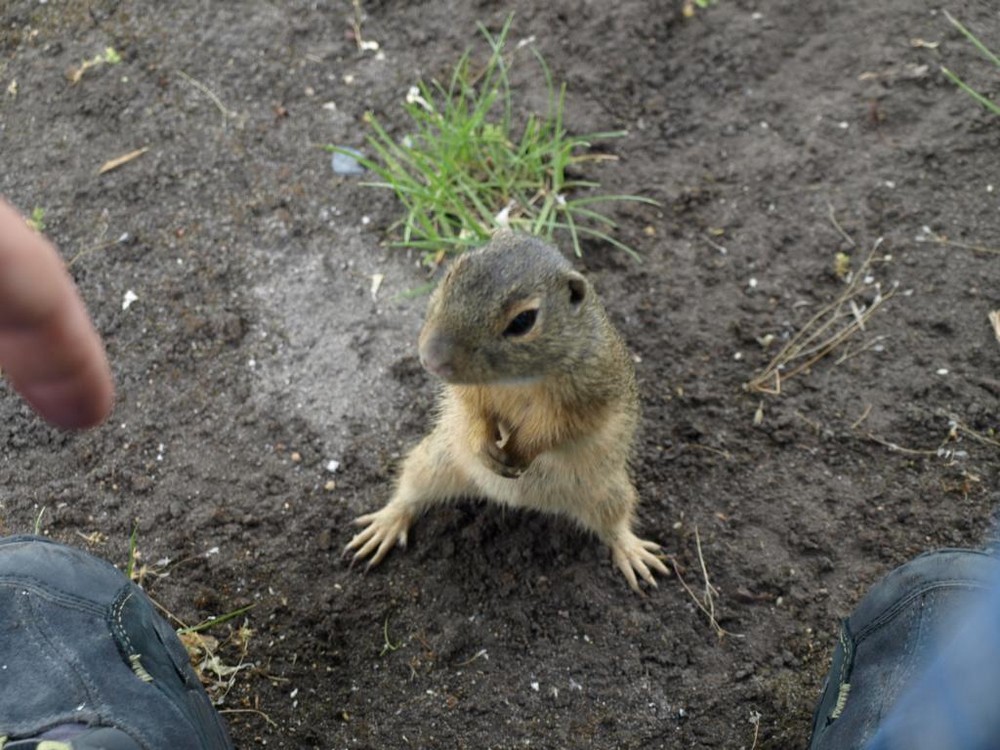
<point x="133" y="555"/>
<point x="37" y="219"/>
<point x="468" y="167"/>
<point x="211" y="622"/>
<point x="991" y="105"/>
<point x="688" y="9"/>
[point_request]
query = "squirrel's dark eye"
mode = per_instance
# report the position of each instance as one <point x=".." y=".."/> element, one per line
<point x="521" y="323"/>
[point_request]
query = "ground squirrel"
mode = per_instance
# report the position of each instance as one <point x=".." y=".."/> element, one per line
<point x="539" y="407"/>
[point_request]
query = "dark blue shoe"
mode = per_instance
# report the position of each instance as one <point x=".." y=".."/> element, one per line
<point x="896" y="642"/>
<point x="86" y="662"/>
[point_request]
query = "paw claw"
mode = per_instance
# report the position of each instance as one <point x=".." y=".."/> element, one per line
<point x="633" y="555"/>
<point x="383" y="530"/>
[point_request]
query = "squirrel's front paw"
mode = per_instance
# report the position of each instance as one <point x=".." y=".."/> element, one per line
<point x="383" y="530"/>
<point x="499" y="453"/>
<point x="634" y="555"/>
<point x="499" y="461"/>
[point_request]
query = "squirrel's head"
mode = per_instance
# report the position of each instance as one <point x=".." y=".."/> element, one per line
<point x="511" y="312"/>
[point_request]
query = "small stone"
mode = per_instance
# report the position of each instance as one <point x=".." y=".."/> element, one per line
<point x="330" y="486"/>
<point x="346" y="164"/>
<point x="296" y="457"/>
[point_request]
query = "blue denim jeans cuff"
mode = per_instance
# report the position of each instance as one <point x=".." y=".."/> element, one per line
<point x="890" y="639"/>
<point x="81" y="644"/>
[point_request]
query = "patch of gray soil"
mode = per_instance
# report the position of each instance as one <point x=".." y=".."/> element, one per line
<point x="338" y="343"/>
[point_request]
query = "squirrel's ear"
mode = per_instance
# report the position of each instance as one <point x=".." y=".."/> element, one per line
<point x="577" y="289"/>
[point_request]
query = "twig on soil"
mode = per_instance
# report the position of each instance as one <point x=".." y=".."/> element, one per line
<point x="387" y="646"/>
<point x="710" y="591"/>
<point x="94" y="248"/>
<point x="956" y="426"/>
<point x="707" y="603"/>
<point x="226" y="113"/>
<point x="927" y="235"/>
<point x="836" y="225"/>
<point x="710" y="449"/>
<point x="363" y="45"/>
<point x="755" y="720"/>
<point x="120" y="160"/>
<point x="712" y="243"/>
<point x="864" y="415"/>
<point x="899" y="448"/>
<point x="480" y="654"/>
<point x="815" y="340"/>
<point x="860" y="350"/>
<point x="260" y="713"/>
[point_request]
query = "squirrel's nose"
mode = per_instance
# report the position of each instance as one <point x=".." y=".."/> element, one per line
<point x="436" y="353"/>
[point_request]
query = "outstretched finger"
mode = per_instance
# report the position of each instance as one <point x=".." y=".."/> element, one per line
<point x="49" y="350"/>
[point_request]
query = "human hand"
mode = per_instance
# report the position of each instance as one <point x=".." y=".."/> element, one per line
<point x="49" y="350"/>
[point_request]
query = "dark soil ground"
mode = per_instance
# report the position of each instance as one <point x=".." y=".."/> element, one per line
<point x="254" y="353"/>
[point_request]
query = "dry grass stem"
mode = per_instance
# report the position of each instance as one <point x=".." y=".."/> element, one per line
<point x="356" y="21"/>
<point x="864" y="415"/>
<point x="755" y="720"/>
<point x="715" y="245"/>
<point x="123" y="159"/>
<point x="709" y="449"/>
<point x="861" y="349"/>
<point x="957" y="429"/>
<point x="92" y="249"/>
<point x="226" y="113"/>
<point x="940" y="239"/>
<point x="895" y="448"/>
<point x="840" y="230"/>
<point x="706" y="603"/>
<point x="217" y="677"/>
<point x="995" y="322"/>
<point x="827" y="330"/>
<point x="256" y="711"/>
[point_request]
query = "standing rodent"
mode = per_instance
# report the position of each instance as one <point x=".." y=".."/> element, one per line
<point x="539" y="408"/>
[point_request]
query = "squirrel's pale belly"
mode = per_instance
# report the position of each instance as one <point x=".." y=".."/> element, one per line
<point x="553" y="483"/>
